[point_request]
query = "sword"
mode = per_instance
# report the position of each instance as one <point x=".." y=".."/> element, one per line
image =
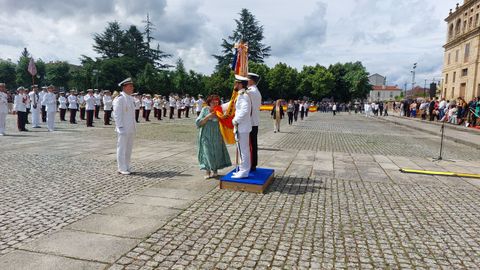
<point x="238" y="150"/>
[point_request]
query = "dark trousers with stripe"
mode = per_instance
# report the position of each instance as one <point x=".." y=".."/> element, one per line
<point x="254" y="147"/>
<point x="90" y="118"/>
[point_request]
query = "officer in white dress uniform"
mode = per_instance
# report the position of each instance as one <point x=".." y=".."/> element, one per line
<point x="199" y="104"/>
<point x="3" y="108"/>
<point x="256" y="98"/>
<point x="43" y="108"/>
<point x="124" y="115"/>
<point x="19" y="105"/>
<point x="243" y="125"/>
<point x="36" y="106"/>
<point x="107" y="107"/>
<point x="89" y="100"/>
<point x="62" y="106"/>
<point x="50" y="102"/>
<point x="73" y="106"/>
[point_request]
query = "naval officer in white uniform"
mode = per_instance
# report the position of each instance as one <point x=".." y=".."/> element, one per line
<point x="50" y="101"/>
<point x="256" y="98"/>
<point x="243" y="125"/>
<point x="124" y="115"/>
<point x="3" y="108"/>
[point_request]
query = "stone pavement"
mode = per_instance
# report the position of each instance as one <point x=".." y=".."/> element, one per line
<point x="338" y="201"/>
<point x="456" y="133"/>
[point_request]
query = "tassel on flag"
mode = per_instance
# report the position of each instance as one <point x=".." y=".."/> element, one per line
<point x="32" y="69"/>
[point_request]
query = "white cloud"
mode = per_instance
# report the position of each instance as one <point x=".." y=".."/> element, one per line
<point x="388" y="36"/>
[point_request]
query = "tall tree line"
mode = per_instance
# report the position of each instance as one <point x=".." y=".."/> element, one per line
<point x="130" y="52"/>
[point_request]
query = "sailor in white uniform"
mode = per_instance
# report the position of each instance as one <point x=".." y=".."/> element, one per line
<point x="36" y="107"/>
<point x="3" y="108"/>
<point x="243" y="125"/>
<point x="256" y="98"/>
<point x="124" y="115"/>
<point x="50" y="102"/>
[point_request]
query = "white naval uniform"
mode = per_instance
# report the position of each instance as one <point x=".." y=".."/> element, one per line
<point x="243" y="125"/>
<point x="50" y="102"/>
<point x="72" y="102"/>
<point x="35" y="108"/>
<point x="62" y="102"/>
<point x="3" y="112"/>
<point x="199" y="105"/>
<point x="256" y="98"/>
<point x="107" y="103"/>
<point x="124" y="115"/>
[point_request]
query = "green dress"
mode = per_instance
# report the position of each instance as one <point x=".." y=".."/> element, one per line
<point x="212" y="152"/>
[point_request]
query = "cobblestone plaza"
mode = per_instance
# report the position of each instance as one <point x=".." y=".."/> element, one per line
<point x="338" y="201"/>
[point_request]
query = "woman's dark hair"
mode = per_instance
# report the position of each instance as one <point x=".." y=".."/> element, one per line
<point x="212" y="98"/>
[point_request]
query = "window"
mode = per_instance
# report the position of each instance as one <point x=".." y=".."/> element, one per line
<point x="464" y="72"/>
<point x="454" y="75"/>
<point x="456" y="56"/>
<point x="470" y="22"/>
<point x="453" y="92"/>
<point x="476" y="19"/>
<point x="448" y="59"/>
<point x="457" y="26"/>
<point x="464" y="26"/>
<point x="446" y="78"/>
<point x="467" y="52"/>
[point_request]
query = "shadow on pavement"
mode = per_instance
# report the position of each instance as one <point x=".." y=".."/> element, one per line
<point x="295" y="186"/>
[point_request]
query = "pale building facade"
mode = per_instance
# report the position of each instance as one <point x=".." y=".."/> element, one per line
<point x="461" y="71"/>
<point x="376" y="79"/>
<point x="383" y="93"/>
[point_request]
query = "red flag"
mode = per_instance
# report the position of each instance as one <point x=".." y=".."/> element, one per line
<point x="32" y="69"/>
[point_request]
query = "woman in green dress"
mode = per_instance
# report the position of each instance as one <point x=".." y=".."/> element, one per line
<point x="212" y="152"/>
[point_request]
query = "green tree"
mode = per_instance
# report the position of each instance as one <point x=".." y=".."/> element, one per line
<point x="220" y="83"/>
<point x="58" y="74"/>
<point x="109" y="44"/>
<point x="262" y="70"/>
<point x="7" y="73"/>
<point x="357" y="78"/>
<point x="148" y="80"/>
<point x="113" y="71"/>
<point x="180" y="77"/>
<point x="282" y="80"/>
<point x="316" y="82"/>
<point x="341" y="90"/>
<point x="249" y="30"/>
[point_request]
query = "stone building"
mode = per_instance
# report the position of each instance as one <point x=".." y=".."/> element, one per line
<point x="383" y="93"/>
<point x="376" y="79"/>
<point x="461" y="73"/>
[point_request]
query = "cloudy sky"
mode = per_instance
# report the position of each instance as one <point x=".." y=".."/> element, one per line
<point x="388" y="36"/>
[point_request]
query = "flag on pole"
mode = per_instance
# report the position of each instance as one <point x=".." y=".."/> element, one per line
<point x="240" y="67"/>
<point x="32" y="69"/>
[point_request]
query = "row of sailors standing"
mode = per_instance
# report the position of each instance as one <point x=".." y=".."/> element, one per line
<point x="44" y="104"/>
<point x="159" y="104"/>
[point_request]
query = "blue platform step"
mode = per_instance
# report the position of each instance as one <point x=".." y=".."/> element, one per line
<point x="257" y="181"/>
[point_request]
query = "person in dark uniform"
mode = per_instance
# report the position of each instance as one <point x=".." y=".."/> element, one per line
<point x="296" y="110"/>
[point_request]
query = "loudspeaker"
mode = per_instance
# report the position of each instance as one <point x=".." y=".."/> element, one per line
<point x="433" y="89"/>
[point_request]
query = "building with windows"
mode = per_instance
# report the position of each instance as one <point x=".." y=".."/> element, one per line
<point x="461" y="71"/>
<point x="376" y="79"/>
<point x="383" y="93"/>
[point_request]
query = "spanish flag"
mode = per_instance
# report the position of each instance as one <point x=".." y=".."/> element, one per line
<point x="240" y="67"/>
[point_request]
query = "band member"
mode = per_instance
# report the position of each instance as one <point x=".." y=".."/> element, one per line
<point x="44" y="112"/>
<point x="164" y="106"/>
<point x="35" y="106"/>
<point x="98" y="103"/>
<point x="50" y="102"/>
<point x="179" y="105"/>
<point x="73" y="106"/>
<point x="3" y="108"/>
<point x="147" y="105"/>
<point x="107" y="107"/>
<point x="186" y="103"/>
<point x="81" y="105"/>
<point x="243" y="125"/>
<point x="161" y="104"/>
<point x="19" y="105"/>
<point x="138" y="102"/>
<point x="171" y="103"/>
<point x="62" y="106"/>
<point x="124" y="114"/>
<point x="89" y="107"/>
<point x="199" y="104"/>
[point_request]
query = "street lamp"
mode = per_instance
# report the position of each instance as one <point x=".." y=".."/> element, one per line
<point x="95" y="73"/>
<point x="413" y="75"/>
